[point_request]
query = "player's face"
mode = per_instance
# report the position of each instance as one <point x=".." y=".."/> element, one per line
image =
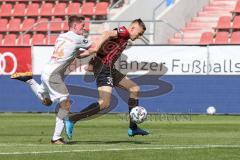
<point x="78" y="27"/>
<point x="135" y="31"/>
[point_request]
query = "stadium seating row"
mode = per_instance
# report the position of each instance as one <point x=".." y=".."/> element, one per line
<point x="51" y="9"/>
<point x="42" y="24"/>
<point x="52" y="1"/>
<point x="226" y="23"/>
<point x="29" y="22"/>
<point x="220" y="38"/>
<point x="27" y="39"/>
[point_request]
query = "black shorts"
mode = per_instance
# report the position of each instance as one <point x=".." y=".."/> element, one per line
<point x="108" y="76"/>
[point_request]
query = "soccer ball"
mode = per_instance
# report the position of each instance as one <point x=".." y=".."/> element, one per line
<point x="211" y="110"/>
<point x="138" y="114"/>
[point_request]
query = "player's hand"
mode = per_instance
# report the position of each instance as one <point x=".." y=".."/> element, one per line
<point x="83" y="53"/>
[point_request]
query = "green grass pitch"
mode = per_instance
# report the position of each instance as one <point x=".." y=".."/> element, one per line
<point x="201" y="137"/>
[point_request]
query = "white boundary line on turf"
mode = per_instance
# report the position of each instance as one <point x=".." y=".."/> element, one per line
<point x="167" y="147"/>
<point x="123" y="144"/>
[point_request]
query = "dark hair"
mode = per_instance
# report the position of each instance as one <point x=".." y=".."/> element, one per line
<point x="140" y="23"/>
<point x="75" y="18"/>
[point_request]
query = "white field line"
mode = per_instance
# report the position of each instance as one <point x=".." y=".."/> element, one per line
<point x="124" y="144"/>
<point x="160" y="147"/>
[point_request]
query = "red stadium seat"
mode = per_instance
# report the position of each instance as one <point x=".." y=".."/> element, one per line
<point x="101" y="9"/>
<point x="19" y="9"/>
<point x="42" y="25"/>
<point x="56" y="24"/>
<point x="65" y="26"/>
<point x="10" y="40"/>
<point x="206" y="38"/>
<point x="24" y="40"/>
<point x="224" y="22"/>
<point x="3" y="26"/>
<point x="237" y="7"/>
<point x="51" y="39"/>
<point x="14" y="24"/>
<point x="88" y="9"/>
<point x="38" y="39"/>
<point x="59" y="9"/>
<point x="235" y="39"/>
<point x="27" y="24"/>
<point x="32" y="9"/>
<point x="221" y="38"/>
<point x="236" y="22"/>
<point x="46" y="9"/>
<point x="73" y="8"/>
<point x="6" y="10"/>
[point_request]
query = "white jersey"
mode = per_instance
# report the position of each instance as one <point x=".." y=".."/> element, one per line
<point x="66" y="49"/>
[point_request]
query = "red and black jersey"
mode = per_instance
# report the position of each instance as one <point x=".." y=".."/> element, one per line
<point x="112" y="48"/>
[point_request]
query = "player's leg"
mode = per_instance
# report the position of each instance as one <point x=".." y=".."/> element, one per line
<point x="94" y="108"/>
<point x="105" y="84"/>
<point x="37" y="89"/>
<point x="46" y="99"/>
<point x="64" y="109"/>
<point x="133" y="101"/>
<point x="134" y="92"/>
<point x="40" y="91"/>
<point x="58" y="93"/>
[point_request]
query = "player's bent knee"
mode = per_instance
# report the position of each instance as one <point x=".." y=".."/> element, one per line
<point x="104" y="104"/>
<point x="47" y="102"/>
<point x="134" y="90"/>
<point x="65" y="103"/>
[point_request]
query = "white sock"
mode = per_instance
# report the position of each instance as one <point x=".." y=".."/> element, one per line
<point x="58" y="129"/>
<point x="35" y="88"/>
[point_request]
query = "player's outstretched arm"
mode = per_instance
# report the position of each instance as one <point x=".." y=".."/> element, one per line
<point x="86" y="52"/>
<point x="95" y="47"/>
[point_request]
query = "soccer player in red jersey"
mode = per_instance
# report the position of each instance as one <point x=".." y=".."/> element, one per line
<point x="111" y="45"/>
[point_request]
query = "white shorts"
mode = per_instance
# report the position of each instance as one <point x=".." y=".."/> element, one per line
<point x="54" y="86"/>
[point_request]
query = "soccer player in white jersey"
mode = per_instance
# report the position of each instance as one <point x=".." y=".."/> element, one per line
<point x="52" y="88"/>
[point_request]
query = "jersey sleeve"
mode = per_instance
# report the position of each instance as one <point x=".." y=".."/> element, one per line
<point x="86" y="43"/>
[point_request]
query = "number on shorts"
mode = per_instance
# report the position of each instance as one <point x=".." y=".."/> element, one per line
<point x="110" y="80"/>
